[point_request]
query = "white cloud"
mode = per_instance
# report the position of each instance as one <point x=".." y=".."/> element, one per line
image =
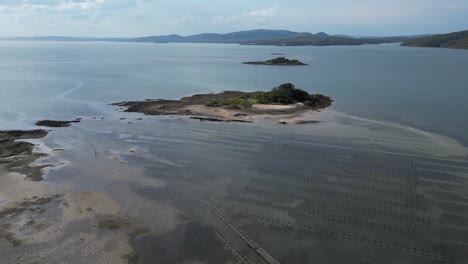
<point x="269" y="12"/>
<point x="148" y="17"/>
<point x="84" y="5"/>
<point x="260" y="15"/>
<point x="184" y="19"/>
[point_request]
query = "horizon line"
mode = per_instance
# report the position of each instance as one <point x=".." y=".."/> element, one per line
<point x="175" y="34"/>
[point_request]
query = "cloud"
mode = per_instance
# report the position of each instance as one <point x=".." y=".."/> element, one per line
<point x="269" y="12"/>
<point x="148" y="17"/>
<point x="184" y="19"/>
<point x="260" y="15"/>
<point x="80" y="4"/>
<point x="64" y="5"/>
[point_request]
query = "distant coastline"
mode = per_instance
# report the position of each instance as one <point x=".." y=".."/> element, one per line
<point x="249" y="37"/>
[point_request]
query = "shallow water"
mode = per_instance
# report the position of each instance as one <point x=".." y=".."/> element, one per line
<point x="355" y="190"/>
<point x="4" y="252"/>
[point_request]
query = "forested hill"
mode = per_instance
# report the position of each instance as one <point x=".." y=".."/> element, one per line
<point x="456" y="40"/>
<point x="326" y="41"/>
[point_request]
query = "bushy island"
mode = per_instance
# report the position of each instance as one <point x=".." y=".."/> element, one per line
<point x="282" y="95"/>
<point x="284" y="101"/>
<point x="280" y="61"/>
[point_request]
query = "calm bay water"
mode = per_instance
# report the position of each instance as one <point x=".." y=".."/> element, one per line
<point x="375" y="191"/>
<point x="424" y="88"/>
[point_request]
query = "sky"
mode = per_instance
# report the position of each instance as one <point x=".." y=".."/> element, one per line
<point x="133" y="18"/>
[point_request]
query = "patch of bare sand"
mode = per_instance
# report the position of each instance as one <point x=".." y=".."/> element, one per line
<point x="285" y="114"/>
<point x="82" y="227"/>
<point x="54" y="240"/>
<point x="67" y="229"/>
<point x="272" y="107"/>
<point x="14" y="188"/>
<point x="216" y="112"/>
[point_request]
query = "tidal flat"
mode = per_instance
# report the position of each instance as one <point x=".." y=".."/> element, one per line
<point x="173" y="189"/>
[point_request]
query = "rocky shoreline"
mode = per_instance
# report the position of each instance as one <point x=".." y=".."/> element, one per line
<point x="17" y="156"/>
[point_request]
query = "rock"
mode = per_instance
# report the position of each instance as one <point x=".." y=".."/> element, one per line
<point x="54" y="123"/>
<point x="299" y="122"/>
<point x="211" y="119"/>
<point x="239" y="120"/>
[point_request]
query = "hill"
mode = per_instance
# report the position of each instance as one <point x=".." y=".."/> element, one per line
<point x="234" y="37"/>
<point x="327" y="40"/>
<point x="249" y="37"/>
<point x="455" y="40"/>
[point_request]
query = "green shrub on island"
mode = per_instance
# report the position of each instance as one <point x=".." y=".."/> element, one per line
<point x="234" y="103"/>
<point x="284" y="94"/>
<point x="283" y="60"/>
<point x="276" y="61"/>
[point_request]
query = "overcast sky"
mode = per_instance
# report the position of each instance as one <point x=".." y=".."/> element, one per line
<point x="128" y="18"/>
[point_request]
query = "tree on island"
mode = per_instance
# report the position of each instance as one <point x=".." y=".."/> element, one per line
<point x="284" y="94"/>
<point x="277" y="61"/>
<point x="283" y="60"/>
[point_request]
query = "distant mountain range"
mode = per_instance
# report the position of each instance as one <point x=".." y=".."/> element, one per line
<point x="456" y="40"/>
<point x="234" y="37"/>
<point x="280" y="38"/>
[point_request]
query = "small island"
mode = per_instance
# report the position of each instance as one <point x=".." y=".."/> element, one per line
<point x="284" y="103"/>
<point x="280" y="61"/>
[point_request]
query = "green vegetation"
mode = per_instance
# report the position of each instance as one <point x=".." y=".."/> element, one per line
<point x="277" y="61"/>
<point x="456" y="40"/>
<point x="234" y="103"/>
<point x="284" y="94"/>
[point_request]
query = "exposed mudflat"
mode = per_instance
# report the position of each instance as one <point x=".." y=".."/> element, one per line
<point x="141" y="192"/>
<point x="36" y="219"/>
